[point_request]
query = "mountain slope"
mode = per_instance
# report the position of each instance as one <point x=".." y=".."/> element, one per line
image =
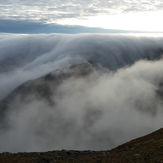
<point x="82" y="107"/>
<point x="147" y="149"/>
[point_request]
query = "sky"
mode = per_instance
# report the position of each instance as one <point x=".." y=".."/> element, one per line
<point x="137" y="15"/>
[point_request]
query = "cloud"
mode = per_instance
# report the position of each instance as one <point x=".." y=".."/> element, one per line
<point x="54" y="10"/>
<point x="26" y="57"/>
<point x="97" y="112"/>
<point x="115" y="103"/>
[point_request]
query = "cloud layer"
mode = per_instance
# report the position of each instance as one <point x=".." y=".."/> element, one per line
<point x="96" y="112"/>
<point x="54" y="10"/>
<point x="119" y="100"/>
<point x="26" y="57"/>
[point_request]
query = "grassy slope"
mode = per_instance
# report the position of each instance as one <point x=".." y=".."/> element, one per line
<point x="147" y="149"/>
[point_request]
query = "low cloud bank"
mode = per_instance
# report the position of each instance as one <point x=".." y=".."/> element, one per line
<point x="26" y="57"/>
<point x="98" y="111"/>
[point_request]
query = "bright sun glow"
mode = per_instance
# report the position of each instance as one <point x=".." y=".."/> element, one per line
<point x="143" y="21"/>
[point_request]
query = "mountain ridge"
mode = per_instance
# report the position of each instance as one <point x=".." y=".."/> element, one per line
<point x="145" y="149"/>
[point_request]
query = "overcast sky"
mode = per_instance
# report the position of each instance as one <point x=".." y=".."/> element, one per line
<point x="115" y="14"/>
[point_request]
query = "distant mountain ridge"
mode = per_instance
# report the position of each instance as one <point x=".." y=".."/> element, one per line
<point x="31" y="27"/>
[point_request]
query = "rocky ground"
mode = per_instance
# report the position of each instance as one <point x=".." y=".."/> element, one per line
<point x="147" y="149"/>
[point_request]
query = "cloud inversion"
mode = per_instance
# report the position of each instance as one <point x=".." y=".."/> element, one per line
<point x="119" y="100"/>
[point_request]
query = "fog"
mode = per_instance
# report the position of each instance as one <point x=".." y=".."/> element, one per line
<point x="119" y="100"/>
<point x="25" y="57"/>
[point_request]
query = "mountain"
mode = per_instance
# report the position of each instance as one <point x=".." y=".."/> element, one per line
<point x="28" y="27"/>
<point x="44" y="87"/>
<point x="148" y="148"/>
<point x="37" y="111"/>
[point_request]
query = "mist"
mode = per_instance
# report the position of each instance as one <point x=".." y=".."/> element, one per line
<point x="120" y="99"/>
<point x="26" y="57"/>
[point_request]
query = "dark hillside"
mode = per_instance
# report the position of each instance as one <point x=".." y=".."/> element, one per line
<point x="147" y="149"/>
